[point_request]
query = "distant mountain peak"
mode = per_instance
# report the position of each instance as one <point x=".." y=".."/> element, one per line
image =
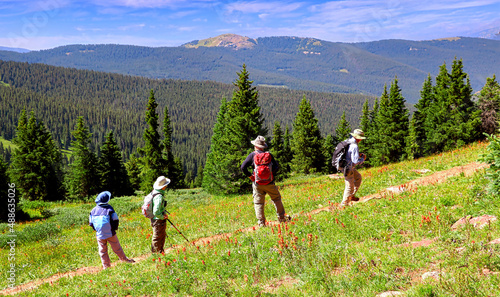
<point x="233" y="41"/>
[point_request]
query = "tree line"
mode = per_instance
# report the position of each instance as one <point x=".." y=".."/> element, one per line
<point x="448" y="115"/>
<point x="58" y="96"/>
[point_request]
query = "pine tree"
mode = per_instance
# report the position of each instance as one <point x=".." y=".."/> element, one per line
<point x="307" y="142"/>
<point x="420" y="147"/>
<point x="412" y="146"/>
<point x="365" y="124"/>
<point x="198" y="180"/>
<point x="153" y="164"/>
<point x="287" y="153"/>
<point x="133" y="171"/>
<point x="378" y="140"/>
<point x="343" y="130"/>
<point x="216" y="165"/>
<point x="453" y="118"/>
<point x="114" y="177"/>
<point x="174" y="169"/>
<point x="83" y="179"/>
<point x="489" y="104"/>
<point x="328" y="148"/>
<point x="239" y="122"/>
<point x="36" y="167"/>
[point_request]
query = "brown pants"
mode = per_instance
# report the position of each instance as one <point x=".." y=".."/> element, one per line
<point x="115" y="246"/>
<point x="159" y="235"/>
<point x="259" y="194"/>
<point x="352" y="183"/>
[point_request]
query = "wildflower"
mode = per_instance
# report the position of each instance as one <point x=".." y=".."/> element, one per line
<point x="229" y="253"/>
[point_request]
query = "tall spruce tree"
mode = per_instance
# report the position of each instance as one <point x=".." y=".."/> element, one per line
<point x="393" y="126"/>
<point x="365" y="126"/>
<point x="377" y="140"/>
<point x="420" y="146"/>
<point x="133" y="167"/>
<point x="83" y="178"/>
<point x="453" y="118"/>
<point x="36" y="167"/>
<point x="307" y="142"/>
<point x="114" y="177"/>
<point x="173" y="165"/>
<point x="343" y="130"/>
<point x="153" y="164"/>
<point x="243" y="122"/>
<point x="287" y="152"/>
<point x="329" y="145"/>
<point x="489" y="104"/>
<point x="217" y="165"/>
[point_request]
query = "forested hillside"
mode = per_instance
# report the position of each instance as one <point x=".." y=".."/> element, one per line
<point x="291" y="62"/>
<point x="58" y="96"/>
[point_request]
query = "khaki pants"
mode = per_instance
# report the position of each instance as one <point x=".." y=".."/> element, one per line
<point x="115" y="246"/>
<point x="159" y="235"/>
<point x="352" y="183"/>
<point x="259" y="194"/>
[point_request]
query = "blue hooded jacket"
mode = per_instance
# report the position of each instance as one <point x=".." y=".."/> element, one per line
<point x="103" y="218"/>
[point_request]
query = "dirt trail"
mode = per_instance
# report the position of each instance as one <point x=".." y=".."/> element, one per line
<point x="434" y="178"/>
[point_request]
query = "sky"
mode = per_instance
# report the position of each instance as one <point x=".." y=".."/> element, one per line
<point x="44" y="24"/>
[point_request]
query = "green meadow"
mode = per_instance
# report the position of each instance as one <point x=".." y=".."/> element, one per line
<point x="362" y="250"/>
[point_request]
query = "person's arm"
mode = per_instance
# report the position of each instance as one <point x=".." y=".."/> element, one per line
<point x="247" y="163"/>
<point x="114" y="221"/>
<point x="91" y="224"/>
<point x="355" y="157"/>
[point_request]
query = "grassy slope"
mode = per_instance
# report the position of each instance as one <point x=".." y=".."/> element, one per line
<point x="352" y="252"/>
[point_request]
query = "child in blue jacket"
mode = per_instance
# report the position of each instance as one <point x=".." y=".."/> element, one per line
<point x="104" y="220"/>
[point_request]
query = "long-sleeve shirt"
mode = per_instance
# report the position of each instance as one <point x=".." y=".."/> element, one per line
<point x="249" y="163"/>
<point x="159" y="205"/>
<point x="352" y="156"/>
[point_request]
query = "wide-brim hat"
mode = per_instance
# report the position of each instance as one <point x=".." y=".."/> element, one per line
<point x="358" y="134"/>
<point x="161" y="182"/>
<point x="259" y="142"/>
<point x="103" y="197"/>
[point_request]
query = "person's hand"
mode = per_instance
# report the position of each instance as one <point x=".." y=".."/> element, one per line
<point x="363" y="156"/>
<point x="252" y="177"/>
<point x="165" y="216"/>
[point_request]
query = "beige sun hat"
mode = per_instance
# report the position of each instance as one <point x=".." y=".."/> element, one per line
<point x="358" y="134"/>
<point x="259" y="142"/>
<point x="161" y="182"/>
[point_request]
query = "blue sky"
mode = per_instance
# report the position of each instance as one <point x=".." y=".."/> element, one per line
<point x="43" y="24"/>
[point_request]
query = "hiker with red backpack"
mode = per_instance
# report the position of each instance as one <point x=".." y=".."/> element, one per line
<point x="265" y="168"/>
<point x="351" y="175"/>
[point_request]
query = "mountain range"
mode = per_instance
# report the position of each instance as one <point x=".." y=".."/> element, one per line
<point x="286" y="62"/>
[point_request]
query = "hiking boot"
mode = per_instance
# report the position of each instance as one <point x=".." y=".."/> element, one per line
<point x="262" y="223"/>
<point x="285" y="218"/>
<point x="130" y="261"/>
<point x="354" y="198"/>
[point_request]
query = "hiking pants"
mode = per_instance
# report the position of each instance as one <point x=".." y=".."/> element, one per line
<point x="259" y="194"/>
<point x="159" y="235"/>
<point x="352" y="184"/>
<point x="115" y="246"/>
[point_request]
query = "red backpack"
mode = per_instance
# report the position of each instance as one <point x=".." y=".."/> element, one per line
<point x="263" y="170"/>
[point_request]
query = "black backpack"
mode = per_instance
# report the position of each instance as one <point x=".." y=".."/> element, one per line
<point x="338" y="158"/>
